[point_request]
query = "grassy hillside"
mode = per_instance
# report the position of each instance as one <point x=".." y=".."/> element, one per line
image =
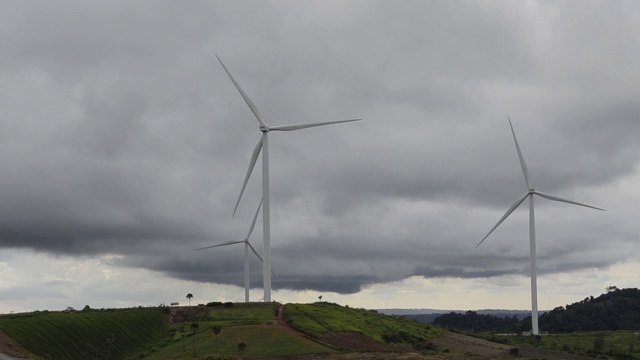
<point x="330" y="331"/>
<point x="171" y="333"/>
<point x="254" y="324"/>
<point x="87" y="334"/>
<point x="321" y="318"/>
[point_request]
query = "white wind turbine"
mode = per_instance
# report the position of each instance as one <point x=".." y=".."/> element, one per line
<point x="247" y="246"/>
<point x="263" y="145"/>
<point x="532" y="229"/>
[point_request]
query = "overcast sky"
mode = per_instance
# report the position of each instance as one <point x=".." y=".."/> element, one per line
<point x="123" y="146"/>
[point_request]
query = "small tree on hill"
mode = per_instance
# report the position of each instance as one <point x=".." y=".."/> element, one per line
<point x="189" y="296"/>
<point x="241" y="348"/>
<point x="216" y="330"/>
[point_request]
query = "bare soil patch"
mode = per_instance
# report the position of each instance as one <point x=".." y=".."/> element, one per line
<point x="9" y="347"/>
<point x="474" y="348"/>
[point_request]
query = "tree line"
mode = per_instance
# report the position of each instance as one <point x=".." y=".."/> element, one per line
<point x="617" y="309"/>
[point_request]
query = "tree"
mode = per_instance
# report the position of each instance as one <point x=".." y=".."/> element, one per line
<point x="194" y="328"/>
<point x="189" y="296"/>
<point x="320" y="298"/>
<point x="241" y="348"/>
<point x="216" y="330"/>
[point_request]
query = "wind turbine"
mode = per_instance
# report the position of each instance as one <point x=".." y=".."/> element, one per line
<point x="247" y="246"/>
<point x="263" y="144"/>
<point x="532" y="229"/>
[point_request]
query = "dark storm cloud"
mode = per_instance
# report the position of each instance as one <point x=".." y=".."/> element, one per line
<point x="121" y="134"/>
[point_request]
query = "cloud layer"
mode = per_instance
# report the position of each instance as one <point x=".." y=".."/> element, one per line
<point x="121" y="135"/>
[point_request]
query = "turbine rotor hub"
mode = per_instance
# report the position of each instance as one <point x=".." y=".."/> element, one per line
<point x="264" y="128"/>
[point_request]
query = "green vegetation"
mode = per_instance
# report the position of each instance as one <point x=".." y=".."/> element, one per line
<point x="260" y="340"/>
<point x="248" y="323"/>
<point x="472" y="321"/>
<point x="88" y="333"/>
<point x="606" y="344"/>
<point x="212" y="332"/>
<point x="217" y="331"/>
<point x="242" y="314"/>
<point x="320" y="318"/>
<point x="618" y="309"/>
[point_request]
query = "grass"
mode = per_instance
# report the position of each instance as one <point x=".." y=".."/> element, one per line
<point x="616" y="344"/>
<point x="319" y="318"/>
<point x="243" y="314"/>
<point x="252" y="324"/>
<point x="86" y="334"/>
<point x="261" y="340"/>
<point x="145" y="333"/>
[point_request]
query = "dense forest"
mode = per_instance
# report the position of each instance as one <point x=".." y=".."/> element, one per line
<point x="474" y="322"/>
<point x="618" y="309"/>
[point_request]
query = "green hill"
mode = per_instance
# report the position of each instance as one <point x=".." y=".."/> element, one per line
<point x="86" y="334"/>
<point x="267" y="331"/>
<point x="178" y="333"/>
<point x="618" y="309"/>
<point x="322" y="320"/>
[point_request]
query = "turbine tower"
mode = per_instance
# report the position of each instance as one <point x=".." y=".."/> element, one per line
<point x="263" y="145"/>
<point x="247" y="246"/>
<point x="532" y="229"/>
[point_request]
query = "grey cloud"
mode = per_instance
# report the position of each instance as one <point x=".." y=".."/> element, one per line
<point x="121" y="134"/>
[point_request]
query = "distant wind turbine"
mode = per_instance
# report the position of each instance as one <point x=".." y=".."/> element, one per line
<point x="263" y="145"/>
<point x="247" y="246"/>
<point x="532" y="229"/>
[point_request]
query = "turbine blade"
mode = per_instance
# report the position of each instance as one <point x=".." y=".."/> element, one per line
<point x="255" y="252"/>
<point x="260" y="257"/>
<point x="252" y="163"/>
<point x="274" y="274"/>
<point x="555" y="198"/>
<point x="505" y="216"/>
<point x="253" y="223"/>
<point x="305" y="126"/>
<point x="222" y="244"/>
<point x="244" y="95"/>
<point x="525" y="171"/>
